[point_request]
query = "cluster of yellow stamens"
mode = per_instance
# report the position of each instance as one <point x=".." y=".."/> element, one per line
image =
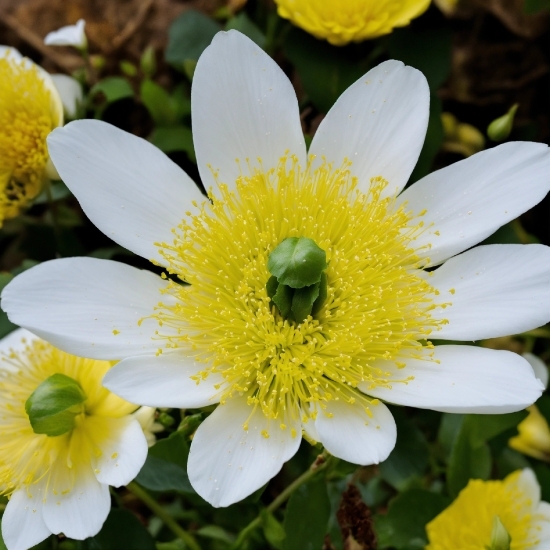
<point x="28" y="113"/>
<point x="377" y="307"/>
<point x="28" y="458"/>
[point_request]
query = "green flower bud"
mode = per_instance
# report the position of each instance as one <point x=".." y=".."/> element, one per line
<point x="53" y="405"/>
<point x="128" y="68"/>
<point x="500" y="539"/>
<point x="148" y="62"/>
<point x="501" y="127"/>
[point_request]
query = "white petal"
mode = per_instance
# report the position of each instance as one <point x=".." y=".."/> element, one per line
<point x="460" y="379"/>
<point x="469" y="200"/>
<point x="23" y="525"/>
<point x="70" y="92"/>
<point x="243" y="107"/>
<point x="8" y="51"/>
<point x="129" y="189"/>
<point x="87" y="307"/>
<point x="71" y="35"/>
<point x="163" y="381"/>
<point x="539" y="367"/>
<point x="540" y="527"/>
<point x="123" y="447"/>
<point x="353" y="435"/>
<point x="16" y="340"/>
<point x="528" y="486"/>
<point x="379" y="124"/>
<point x="499" y="289"/>
<point x="81" y="506"/>
<point x="228" y="463"/>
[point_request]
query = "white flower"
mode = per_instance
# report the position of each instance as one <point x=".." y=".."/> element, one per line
<point x="71" y="35"/>
<point x="539" y="367"/>
<point x="146" y="418"/>
<point x="221" y="339"/>
<point x="58" y="480"/>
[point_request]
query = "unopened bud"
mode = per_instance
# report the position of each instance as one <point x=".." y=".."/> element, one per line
<point x="500" y="539"/>
<point x="148" y="62"/>
<point x="501" y="127"/>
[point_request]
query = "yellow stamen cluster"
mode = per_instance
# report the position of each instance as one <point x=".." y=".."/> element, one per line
<point x="27" y="458"/>
<point x="28" y="113"/>
<point x="468" y="522"/>
<point x="378" y="304"/>
<point x="343" y="21"/>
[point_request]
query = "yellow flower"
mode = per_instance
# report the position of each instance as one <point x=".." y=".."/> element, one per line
<point x="30" y="108"/>
<point x="468" y="523"/>
<point x="534" y="436"/>
<point x="57" y="470"/>
<point x="344" y="21"/>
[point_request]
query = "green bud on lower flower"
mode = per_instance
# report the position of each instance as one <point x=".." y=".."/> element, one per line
<point x="500" y="538"/>
<point x="54" y="404"/>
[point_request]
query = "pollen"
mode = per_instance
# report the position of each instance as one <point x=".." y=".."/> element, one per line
<point x="28" y="114"/>
<point x="378" y="303"/>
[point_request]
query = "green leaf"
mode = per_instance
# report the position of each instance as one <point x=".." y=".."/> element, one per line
<point x="303" y="300"/>
<point x="283" y="299"/>
<point x="306" y="516"/>
<point x="428" y="50"/>
<point x="484" y="427"/>
<point x="121" y="530"/>
<point x="410" y="456"/>
<point x="531" y="7"/>
<point x="113" y="88"/>
<point x="174" y="138"/>
<point x="158" y="102"/>
<point x="297" y="262"/>
<point x="215" y="532"/>
<point x="542" y="471"/>
<point x="54" y="404"/>
<point x="245" y="25"/>
<point x="166" y="466"/>
<point x="403" y="527"/>
<point x="325" y="71"/>
<point x="274" y="532"/>
<point x="188" y="37"/>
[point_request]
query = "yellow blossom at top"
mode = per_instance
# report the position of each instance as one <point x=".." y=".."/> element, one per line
<point x="344" y="21"/>
<point x="469" y="522"/>
<point x="30" y="108"/>
<point x="533" y="438"/>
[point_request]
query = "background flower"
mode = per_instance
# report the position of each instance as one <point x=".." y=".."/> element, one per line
<point x="341" y="22"/>
<point x="59" y="483"/>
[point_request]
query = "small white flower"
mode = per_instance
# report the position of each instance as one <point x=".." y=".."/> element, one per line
<point x="58" y="480"/>
<point x="221" y="339"/>
<point x="71" y="35"/>
<point x="146" y="417"/>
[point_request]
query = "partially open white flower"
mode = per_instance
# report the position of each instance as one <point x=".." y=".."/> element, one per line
<point x="71" y="35"/>
<point x="318" y="357"/>
<point x="146" y="418"/>
<point x="65" y="439"/>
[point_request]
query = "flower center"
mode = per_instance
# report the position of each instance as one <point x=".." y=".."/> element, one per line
<point x="376" y="306"/>
<point x="54" y="417"/>
<point x="27" y="116"/>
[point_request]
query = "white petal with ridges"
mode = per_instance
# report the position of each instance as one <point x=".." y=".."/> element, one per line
<point x="23" y="525"/>
<point x="459" y="379"/>
<point x="495" y="290"/>
<point x="469" y="200"/>
<point x="81" y="505"/>
<point x="243" y="107"/>
<point x="227" y="463"/>
<point x="379" y="124"/>
<point x="163" y="381"/>
<point x="123" y="448"/>
<point x="129" y="189"/>
<point x="351" y="434"/>
<point x="87" y="307"/>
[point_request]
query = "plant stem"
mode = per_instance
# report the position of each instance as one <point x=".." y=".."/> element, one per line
<point x="538" y="333"/>
<point x="54" y="215"/>
<point x="159" y="511"/>
<point x="320" y="463"/>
